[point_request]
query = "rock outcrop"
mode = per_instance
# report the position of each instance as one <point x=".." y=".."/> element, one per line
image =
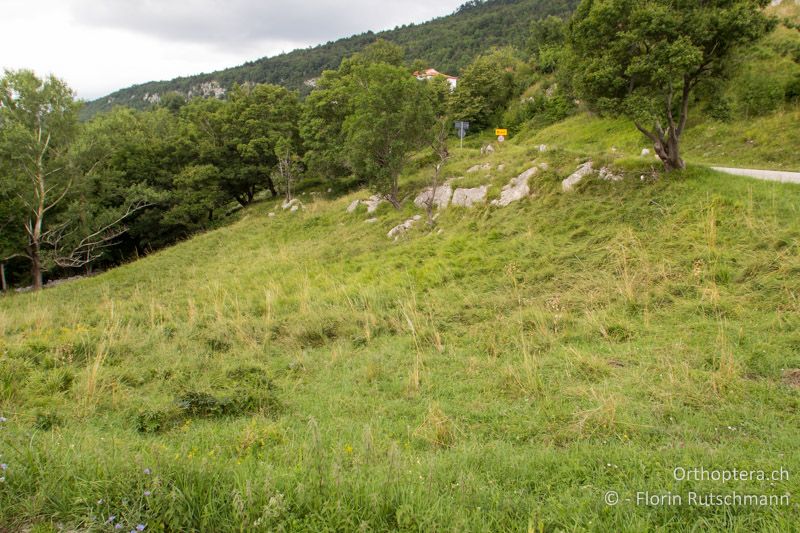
<point x="476" y="168"/>
<point x="372" y="204"/>
<point x="576" y="177"/>
<point x="470" y="197"/>
<point x="517" y="188"/>
<point x="400" y="229"/>
<point x="292" y="205"/>
<point x="608" y="175"/>
<point x="441" y="198"/>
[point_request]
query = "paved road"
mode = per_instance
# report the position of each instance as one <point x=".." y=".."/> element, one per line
<point x="769" y="175"/>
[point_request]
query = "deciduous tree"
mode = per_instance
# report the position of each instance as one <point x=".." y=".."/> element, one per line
<point x="643" y="58"/>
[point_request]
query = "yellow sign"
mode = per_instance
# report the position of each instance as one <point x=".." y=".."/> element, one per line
<point x="500" y="132"/>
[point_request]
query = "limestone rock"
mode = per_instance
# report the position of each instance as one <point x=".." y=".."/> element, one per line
<point x="440" y="200"/>
<point x="470" y="197"/>
<point x="371" y="220"/>
<point x="291" y="203"/>
<point x="542" y="147"/>
<point x="583" y="170"/>
<point x="400" y="229"/>
<point x="488" y="149"/>
<point x="517" y="188"/>
<point x="373" y="202"/>
<point x="353" y="206"/>
<point x="476" y="168"/>
<point x="608" y="175"/>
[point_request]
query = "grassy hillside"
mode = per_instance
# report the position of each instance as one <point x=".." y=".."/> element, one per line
<point x="768" y="142"/>
<point x="447" y="43"/>
<point x="501" y="372"/>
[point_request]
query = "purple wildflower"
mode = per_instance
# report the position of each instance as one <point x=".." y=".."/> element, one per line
<point x="3" y="419"/>
<point x="147" y="471"/>
<point x="140" y="527"/>
<point x="118" y="526"/>
<point x="3" y="466"/>
<point x="111" y="519"/>
<point x="147" y="493"/>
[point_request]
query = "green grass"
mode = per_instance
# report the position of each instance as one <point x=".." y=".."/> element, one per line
<point x="500" y="372"/>
<point x="768" y="142"/>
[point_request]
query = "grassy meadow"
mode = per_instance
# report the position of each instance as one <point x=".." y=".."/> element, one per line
<point x="501" y="371"/>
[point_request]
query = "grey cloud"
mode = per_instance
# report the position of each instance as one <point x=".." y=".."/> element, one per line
<point x="233" y="23"/>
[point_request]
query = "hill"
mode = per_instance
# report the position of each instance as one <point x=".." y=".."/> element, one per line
<point x="448" y="43"/>
<point x="503" y="371"/>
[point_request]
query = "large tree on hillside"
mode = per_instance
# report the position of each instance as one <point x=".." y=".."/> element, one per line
<point x="38" y="120"/>
<point x="643" y="58"/>
<point x="392" y="115"/>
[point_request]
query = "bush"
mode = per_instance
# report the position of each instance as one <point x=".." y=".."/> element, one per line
<point x="759" y="94"/>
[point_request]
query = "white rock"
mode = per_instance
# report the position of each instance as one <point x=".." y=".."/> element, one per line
<point x="398" y="230"/>
<point x="373" y="202"/>
<point x="544" y="166"/>
<point x="488" y="149"/>
<point x="353" y="206"/>
<point x="271" y="215"/>
<point x="577" y="176"/>
<point x="290" y="203"/>
<point x="476" y="168"/>
<point x="330" y="190"/>
<point x="501" y="167"/>
<point x="608" y="175"/>
<point x="294" y="208"/>
<point x="645" y="152"/>
<point x="371" y="220"/>
<point x="542" y="147"/>
<point x="470" y="197"/>
<point x="517" y="188"/>
<point x="440" y="200"/>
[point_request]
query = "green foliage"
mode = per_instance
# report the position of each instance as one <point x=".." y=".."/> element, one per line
<point x="643" y="58"/>
<point x="486" y="87"/>
<point x="391" y="117"/>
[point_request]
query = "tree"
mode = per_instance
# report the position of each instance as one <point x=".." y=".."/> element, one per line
<point x="330" y="103"/>
<point x="391" y="117"/>
<point x="643" y="58"/>
<point x="288" y="169"/>
<point x="487" y="85"/>
<point x="38" y="120"/>
<point x="546" y="40"/>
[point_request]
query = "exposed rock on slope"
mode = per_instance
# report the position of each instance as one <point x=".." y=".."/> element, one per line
<point x="440" y="200"/>
<point x="470" y="197"/>
<point x="517" y="188"/>
<point x="576" y="177"/>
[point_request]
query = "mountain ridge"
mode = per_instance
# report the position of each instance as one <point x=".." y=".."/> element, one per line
<point x="448" y="43"/>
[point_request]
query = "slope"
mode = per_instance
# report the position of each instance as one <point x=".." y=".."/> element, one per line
<point x="503" y="371"/>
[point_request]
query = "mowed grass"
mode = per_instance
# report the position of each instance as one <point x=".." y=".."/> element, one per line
<point x="499" y="372"/>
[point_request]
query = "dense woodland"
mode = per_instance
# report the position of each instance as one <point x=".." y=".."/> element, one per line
<point x="78" y="196"/>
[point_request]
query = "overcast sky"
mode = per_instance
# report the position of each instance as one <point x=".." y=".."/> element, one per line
<point x="99" y="46"/>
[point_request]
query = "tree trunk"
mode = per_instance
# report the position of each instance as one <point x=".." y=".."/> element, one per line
<point x="392" y="196"/>
<point x="36" y="266"/>
<point x="668" y="150"/>
<point x="271" y="186"/>
<point x="3" y="284"/>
